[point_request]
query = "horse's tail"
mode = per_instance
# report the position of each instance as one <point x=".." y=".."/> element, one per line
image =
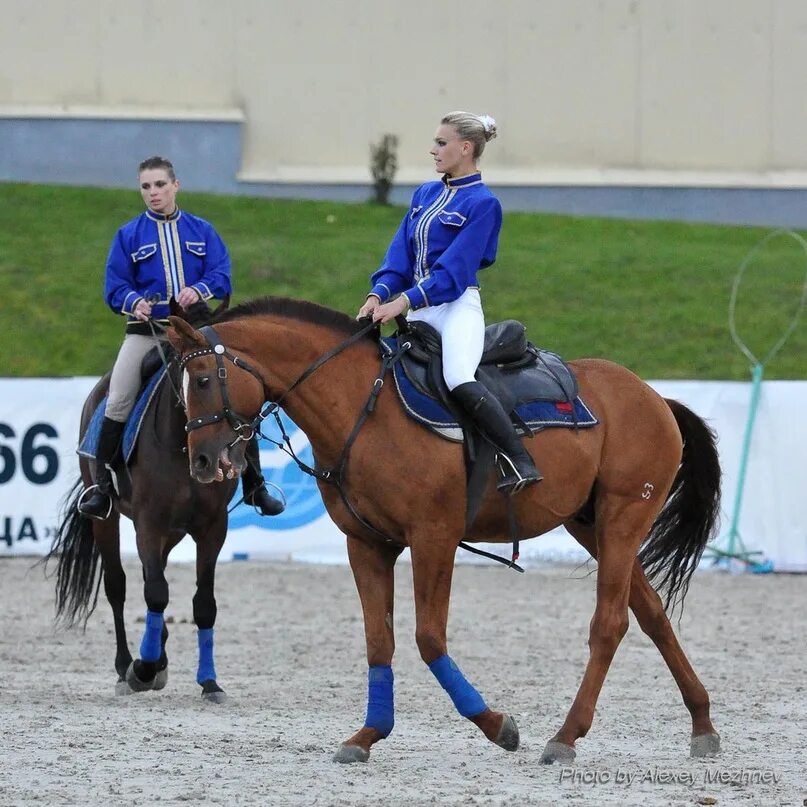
<point x="77" y="562"/>
<point x="689" y="518"/>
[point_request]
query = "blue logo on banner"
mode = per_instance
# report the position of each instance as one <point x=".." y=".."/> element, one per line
<point x="303" y="501"/>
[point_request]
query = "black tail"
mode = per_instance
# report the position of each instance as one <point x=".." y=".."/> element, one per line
<point x="77" y="562"/>
<point x="689" y="519"/>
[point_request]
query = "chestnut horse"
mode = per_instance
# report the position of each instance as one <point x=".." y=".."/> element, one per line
<point x="648" y="476"/>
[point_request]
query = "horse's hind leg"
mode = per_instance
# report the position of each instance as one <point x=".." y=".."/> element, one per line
<point x="432" y="569"/>
<point x="646" y="605"/>
<point x="649" y="611"/>
<point x="622" y="523"/>
<point x="208" y="546"/>
<point x="373" y="566"/>
<point x="107" y="538"/>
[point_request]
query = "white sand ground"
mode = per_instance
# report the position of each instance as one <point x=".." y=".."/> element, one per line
<point x="290" y="654"/>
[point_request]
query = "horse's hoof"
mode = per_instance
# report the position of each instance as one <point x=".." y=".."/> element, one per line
<point x="122" y="687"/>
<point x="213" y="693"/>
<point x="161" y="679"/>
<point x="135" y="684"/>
<point x="508" y="734"/>
<point x="351" y="753"/>
<point x="557" y="752"/>
<point x="705" y="745"/>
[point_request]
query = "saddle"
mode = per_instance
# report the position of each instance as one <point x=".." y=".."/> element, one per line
<point x="536" y="387"/>
<point x="512" y="369"/>
<point x="152" y="375"/>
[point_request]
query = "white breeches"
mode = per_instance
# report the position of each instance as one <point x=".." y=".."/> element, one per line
<point x="461" y="324"/>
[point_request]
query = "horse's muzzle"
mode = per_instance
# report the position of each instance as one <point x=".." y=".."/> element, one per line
<point x="207" y="467"/>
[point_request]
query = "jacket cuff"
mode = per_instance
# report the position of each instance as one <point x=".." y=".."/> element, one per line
<point x="203" y="290"/>
<point x="130" y="302"/>
<point x="417" y="298"/>
<point x="382" y="291"/>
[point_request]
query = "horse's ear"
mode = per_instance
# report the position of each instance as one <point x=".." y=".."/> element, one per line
<point x="182" y="336"/>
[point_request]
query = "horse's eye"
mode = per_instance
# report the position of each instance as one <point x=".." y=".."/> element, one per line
<point x="203" y="381"/>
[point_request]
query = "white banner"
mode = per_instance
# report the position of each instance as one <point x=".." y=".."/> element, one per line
<point x="39" y="421"/>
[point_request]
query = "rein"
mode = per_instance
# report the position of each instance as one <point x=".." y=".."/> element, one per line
<point x="246" y="428"/>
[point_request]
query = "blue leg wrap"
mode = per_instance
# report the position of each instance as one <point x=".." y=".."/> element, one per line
<point x="206" y="670"/>
<point x="151" y="647"/>
<point x="380" y="704"/>
<point x="467" y="700"/>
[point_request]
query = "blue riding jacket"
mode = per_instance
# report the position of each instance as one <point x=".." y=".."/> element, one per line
<point x="450" y="232"/>
<point x="156" y="255"/>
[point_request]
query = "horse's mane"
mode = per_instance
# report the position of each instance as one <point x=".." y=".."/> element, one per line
<point x="294" y="309"/>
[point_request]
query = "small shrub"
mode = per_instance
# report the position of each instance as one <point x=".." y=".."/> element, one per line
<point x="383" y="165"/>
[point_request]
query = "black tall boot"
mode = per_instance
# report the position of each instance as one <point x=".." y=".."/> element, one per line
<point x="98" y="504"/>
<point x="255" y="492"/>
<point x="517" y="466"/>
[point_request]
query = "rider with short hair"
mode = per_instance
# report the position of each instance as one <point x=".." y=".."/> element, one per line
<point x="162" y="254"/>
<point x="449" y="233"/>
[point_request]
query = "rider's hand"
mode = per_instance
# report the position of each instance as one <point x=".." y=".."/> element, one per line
<point x="370" y="304"/>
<point x="388" y="311"/>
<point x="188" y="296"/>
<point x="142" y="310"/>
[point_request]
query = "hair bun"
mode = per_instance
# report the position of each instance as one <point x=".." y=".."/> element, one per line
<point x="489" y="125"/>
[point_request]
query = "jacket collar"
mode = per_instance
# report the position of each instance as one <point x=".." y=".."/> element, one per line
<point x="463" y="182"/>
<point x="163" y="217"/>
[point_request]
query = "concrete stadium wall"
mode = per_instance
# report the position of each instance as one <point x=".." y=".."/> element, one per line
<point x="618" y="94"/>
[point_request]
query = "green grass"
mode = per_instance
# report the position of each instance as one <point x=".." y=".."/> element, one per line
<point x="653" y="296"/>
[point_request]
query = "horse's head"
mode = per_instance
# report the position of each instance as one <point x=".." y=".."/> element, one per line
<point x="222" y="395"/>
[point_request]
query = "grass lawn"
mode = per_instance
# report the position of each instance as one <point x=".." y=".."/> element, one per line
<point x="651" y="295"/>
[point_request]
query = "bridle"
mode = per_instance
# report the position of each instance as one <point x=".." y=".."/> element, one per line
<point x="243" y="427"/>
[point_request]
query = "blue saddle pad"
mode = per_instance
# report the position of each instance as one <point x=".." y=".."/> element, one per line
<point x="89" y="444"/>
<point x="538" y="414"/>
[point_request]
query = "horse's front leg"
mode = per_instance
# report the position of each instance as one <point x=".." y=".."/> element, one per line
<point x="373" y="566"/>
<point x="208" y="545"/>
<point x="150" y="671"/>
<point x="432" y="570"/>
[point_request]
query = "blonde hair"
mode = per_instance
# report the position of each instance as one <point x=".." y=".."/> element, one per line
<point x="478" y="129"/>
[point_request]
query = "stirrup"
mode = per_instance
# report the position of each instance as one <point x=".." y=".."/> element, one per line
<point x="89" y="515"/>
<point x="264" y="484"/>
<point x="520" y="482"/>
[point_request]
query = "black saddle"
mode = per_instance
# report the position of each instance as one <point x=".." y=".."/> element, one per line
<point x="512" y="369"/>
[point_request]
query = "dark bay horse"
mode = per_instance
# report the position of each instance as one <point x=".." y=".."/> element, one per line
<point x="165" y="503"/>
<point x="640" y="493"/>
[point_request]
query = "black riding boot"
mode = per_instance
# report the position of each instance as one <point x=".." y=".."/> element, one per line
<point x="488" y="414"/>
<point x="98" y="504"/>
<point x="255" y="492"/>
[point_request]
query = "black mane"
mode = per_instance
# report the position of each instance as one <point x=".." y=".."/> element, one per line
<point x="294" y="309"/>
